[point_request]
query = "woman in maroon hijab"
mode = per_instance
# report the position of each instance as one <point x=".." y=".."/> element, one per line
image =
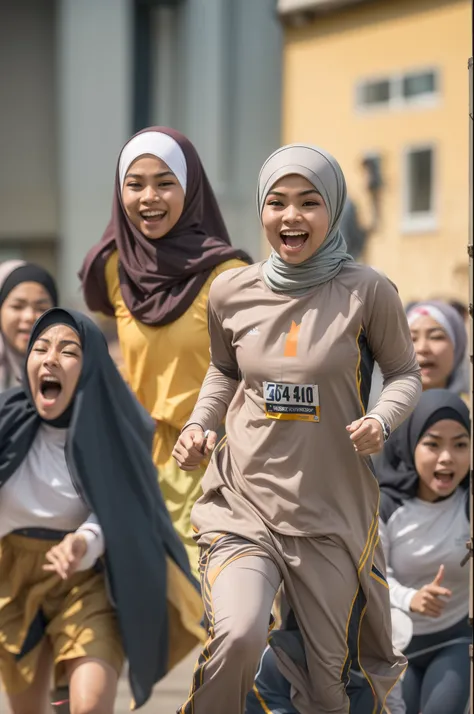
<point x="152" y="270"/>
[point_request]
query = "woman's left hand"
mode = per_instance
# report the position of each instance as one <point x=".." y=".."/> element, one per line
<point x="366" y="436"/>
<point x="65" y="557"/>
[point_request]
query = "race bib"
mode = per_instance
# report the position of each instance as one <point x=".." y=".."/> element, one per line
<point x="291" y="401"/>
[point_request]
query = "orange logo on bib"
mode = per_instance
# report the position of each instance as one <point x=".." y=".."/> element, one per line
<point x="291" y="344"/>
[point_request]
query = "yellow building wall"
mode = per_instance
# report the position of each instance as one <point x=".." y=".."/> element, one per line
<point x="323" y="63"/>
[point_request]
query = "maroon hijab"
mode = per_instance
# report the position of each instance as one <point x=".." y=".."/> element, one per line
<point x="160" y="279"/>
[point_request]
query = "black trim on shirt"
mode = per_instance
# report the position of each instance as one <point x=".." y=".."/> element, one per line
<point x="366" y="368"/>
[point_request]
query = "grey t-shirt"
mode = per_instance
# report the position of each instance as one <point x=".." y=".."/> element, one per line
<point x="418" y="538"/>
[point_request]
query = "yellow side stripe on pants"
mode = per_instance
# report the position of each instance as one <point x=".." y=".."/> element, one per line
<point x="368" y="547"/>
<point x="207" y="580"/>
<point x="261" y="700"/>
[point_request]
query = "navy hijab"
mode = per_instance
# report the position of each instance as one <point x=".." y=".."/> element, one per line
<point x="108" y="452"/>
<point x="396" y="472"/>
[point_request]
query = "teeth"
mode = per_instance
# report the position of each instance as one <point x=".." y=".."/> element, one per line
<point x="293" y="233"/>
<point x="49" y="380"/>
<point x="152" y="214"/>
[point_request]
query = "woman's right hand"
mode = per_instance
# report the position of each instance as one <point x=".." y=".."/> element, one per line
<point x="192" y="447"/>
<point x="426" y="600"/>
<point x="65" y="557"/>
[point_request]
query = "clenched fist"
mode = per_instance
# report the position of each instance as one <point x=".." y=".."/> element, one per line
<point x="193" y="446"/>
<point x="366" y="436"/>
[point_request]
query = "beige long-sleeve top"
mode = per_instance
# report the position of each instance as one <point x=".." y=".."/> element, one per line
<point x="292" y="373"/>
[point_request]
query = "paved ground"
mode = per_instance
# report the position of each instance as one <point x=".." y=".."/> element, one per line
<point x="170" y="693"/>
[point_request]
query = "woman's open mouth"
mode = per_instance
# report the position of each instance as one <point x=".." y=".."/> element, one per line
<point x="294" y="241"/>
<point x="50" y="389"/>
<point x="152" y="216"/>
<point x="444" y="479"/>
<point x="426" y="366"/>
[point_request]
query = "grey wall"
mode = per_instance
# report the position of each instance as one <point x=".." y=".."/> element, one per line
<point x="94" y="57"/>
<point x="28" y="155"/>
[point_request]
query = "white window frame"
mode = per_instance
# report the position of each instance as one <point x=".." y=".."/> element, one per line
<point x="422" y="222"/>
<point x="370" y="108"/>
<point x="396" y="101"/>
<point x="422" y="100"/>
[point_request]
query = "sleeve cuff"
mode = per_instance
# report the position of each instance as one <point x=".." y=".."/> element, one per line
<point x="384" y="424"/>
<point x="95" y="545"/>
<point x="189" y="424"/>
<point x="407" y="598"/>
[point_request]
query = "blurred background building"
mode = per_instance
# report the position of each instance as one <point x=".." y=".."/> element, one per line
<point x="78" y="77"/>
<point x="380" y="83"/>
<point x="383" y="85"/>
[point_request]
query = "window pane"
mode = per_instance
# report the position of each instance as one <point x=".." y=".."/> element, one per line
<point x="375" y="92"/>
<point x="420" y="181"/>
<point x="415" y="85"/>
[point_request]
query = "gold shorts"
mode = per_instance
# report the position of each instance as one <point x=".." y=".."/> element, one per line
<point x="79" y="618"/>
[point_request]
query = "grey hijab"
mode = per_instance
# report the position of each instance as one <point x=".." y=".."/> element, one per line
<point x="323" y="171"/>
<point x="453" y="325"/>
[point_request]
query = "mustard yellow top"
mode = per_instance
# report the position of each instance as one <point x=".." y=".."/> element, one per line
<point x="166" y="365"/>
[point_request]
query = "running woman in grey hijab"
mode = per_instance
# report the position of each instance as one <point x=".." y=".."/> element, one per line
<point x="289" y="495"/>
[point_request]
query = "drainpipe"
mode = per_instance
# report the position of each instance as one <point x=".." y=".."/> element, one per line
<point x="471" y="349"/>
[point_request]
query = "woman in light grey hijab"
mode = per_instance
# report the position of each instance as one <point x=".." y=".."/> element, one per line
<point x="324" y="173"/>
<point x="289" y="495"/>
<point x="297" y="279"/>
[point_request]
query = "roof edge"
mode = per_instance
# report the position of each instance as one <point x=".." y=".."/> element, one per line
<point x="286" y="8"/>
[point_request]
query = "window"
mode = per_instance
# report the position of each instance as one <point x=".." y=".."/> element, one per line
<point x="375" y="93"/>
<point x="420" y="180"/>
<point x="418" y="186"/>
<point x="398" y="90"/>
<point x="419" y="84"/>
